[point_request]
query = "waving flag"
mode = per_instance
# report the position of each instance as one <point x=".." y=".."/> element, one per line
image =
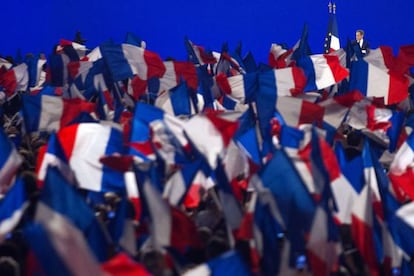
<point x="167" y="133"/>
<point x="60" y="249"/>
<point x="296" y="111"/>
<point x="197" y="54"/>
<point x="74" y="50"/>
<point x="262" y="226"/>
<point x="35" y="69"/>
<point x="332" y="37"/>
<point x="10" y="161"/>
<point x="210" y="134"/>
<point x="83" y="146"/>
<point x="15" y="79"/>
<point x="57" y="201"/>
<point x="283" y="82"/>
<point x="126" y="60"/>
<point x="170" y="227"/>
<point x="363" y="213"/>
<point x="373" y="81"/>
<point x="179" y="101"/>
<point x="47" y="111"/>
<point x="401" y="172"/>
<point x="240" y="87"/>
<point x="294" y="201"/>
<point x="279" y="57"/>
<point x="322" y="71"/>
<point x="178" y="185"/>
<point x="337" y="107"/>
<point x="176" y="72"/>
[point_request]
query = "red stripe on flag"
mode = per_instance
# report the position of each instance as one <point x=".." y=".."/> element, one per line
<point x="300" y="80"/>
<point x="311" y="113"/>
<point x="339" y="72"/>
<point x="223" y="83"/>
<point x="398" y="90"/>
<point x="73" y="107"/>
<point x="67" y="139"/>
<point x="363" y="238"/>
<point x="156" y="67"/>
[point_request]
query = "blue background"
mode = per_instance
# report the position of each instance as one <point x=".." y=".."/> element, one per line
<point x="36" y="26"/>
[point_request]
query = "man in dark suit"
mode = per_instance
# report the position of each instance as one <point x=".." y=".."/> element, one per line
<point x="363" y="43"/>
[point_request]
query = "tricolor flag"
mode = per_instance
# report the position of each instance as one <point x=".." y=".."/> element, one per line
<point x="169" y="226"/>
<point x="126" y="60"/>
<point x="375" y="82"/>
<point x="15" y="79"/>
<point x="198" y="55"/>
<point x="83" y="146"/>
<point x="10" y="161"/>
<point x="294" y="201"/>
<point x="47" y="111"/>
<point x="56" y="212"/>
<point x="322" y="71"/>
<point x="241" y="87"/>
<point x="210" y="134"/>
<point x="332" y="42"/>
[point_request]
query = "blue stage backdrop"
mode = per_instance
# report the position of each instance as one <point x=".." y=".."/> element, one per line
<point x="36" y="26"/>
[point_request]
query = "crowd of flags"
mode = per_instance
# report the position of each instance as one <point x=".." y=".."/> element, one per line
<point x="267" y="140"/>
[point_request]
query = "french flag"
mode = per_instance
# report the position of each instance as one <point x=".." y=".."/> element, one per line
<point x="367" y="202"/>
<point x="337" y="107"/>
<point x="10" y="161"/>
<point x="57" y="70"/>
<point x="210" y="134"/>
<point x="401" y="173"/>
<point x="198" y="55"/>
<point x="322" y="71"/>
<point x="83" y="146"/>
<point x="403" y="227"/>
<point x="15" y="79"/>
<point x="231" y="207"/>
<point x="170" y="227"/>
<point x="179" y="101"/>
<point x="237" y="164"/>
<point x="75" y="49"/>
<point x="347" y="193"/>
<point x="65" y="240"/>
<point x="283" y="82"/>
<point x="178" y="185"/>
<point x="60" y="249"/>
<point x="37" y="75"/>
<point x="332" y="42"/>
<point x="279" y="57"/>
<point x="47" y="111"/>
<point x="262" y="227"/>
<point x="295" y="203"/>
<point x="240" y="87"/>
<point x="150" y="124"/>
<point x="126" y="60"/>
<point x="323" y="246"/>
<point x="373" y="81"/>
<point x="296" y="111"/>
<point x="176" y="72"/>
